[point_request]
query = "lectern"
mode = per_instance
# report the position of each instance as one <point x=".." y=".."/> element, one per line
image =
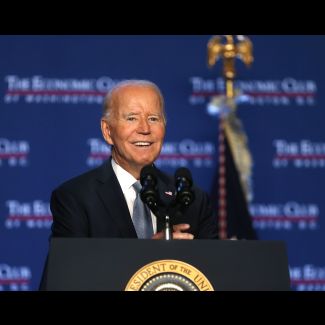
<point x="157" y="265"/>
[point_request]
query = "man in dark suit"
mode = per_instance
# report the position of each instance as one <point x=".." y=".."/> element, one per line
<point x="93" y="205"/>
<point x="100" y="202"/>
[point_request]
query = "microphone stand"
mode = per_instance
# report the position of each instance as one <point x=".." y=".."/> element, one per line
<point x="168" y="229"/>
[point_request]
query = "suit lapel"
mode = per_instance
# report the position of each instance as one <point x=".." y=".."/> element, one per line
<point x="166" y="189"/>
<point x="111" y="195"/>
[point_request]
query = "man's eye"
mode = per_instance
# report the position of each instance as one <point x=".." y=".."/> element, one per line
<point x="130" y="118"/>
<point x="153" y="119"/>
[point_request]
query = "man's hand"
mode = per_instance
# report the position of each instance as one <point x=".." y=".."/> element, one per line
<point x="177" y="232"/>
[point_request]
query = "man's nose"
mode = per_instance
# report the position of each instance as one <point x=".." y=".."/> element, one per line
<point x="143" y="126"/>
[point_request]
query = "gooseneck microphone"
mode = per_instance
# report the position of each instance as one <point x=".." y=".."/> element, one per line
<point x="183" y="183"/>
<point x="150" y="196"/>
<point x="148" y="192"/>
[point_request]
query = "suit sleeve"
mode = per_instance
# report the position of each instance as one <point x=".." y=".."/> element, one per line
<point x="208" y="226"/>
<point x="69" y="217"/>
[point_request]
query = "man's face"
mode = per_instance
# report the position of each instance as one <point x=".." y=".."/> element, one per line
<point x="136" y="127"/>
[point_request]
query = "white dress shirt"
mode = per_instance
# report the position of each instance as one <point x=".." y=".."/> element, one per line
<point x="126" y="181"/>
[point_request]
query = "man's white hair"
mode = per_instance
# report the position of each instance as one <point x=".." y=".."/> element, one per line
<point x="108" y="100"/>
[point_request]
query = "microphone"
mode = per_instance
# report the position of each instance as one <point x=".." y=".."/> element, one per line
<point x="148" y="192"/>
<point x="183" y="183"/>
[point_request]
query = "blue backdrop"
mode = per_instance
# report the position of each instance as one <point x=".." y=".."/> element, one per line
<point x="51" y="90"/>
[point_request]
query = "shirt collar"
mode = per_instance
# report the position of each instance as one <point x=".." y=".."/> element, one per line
<point x="125" y="179"/>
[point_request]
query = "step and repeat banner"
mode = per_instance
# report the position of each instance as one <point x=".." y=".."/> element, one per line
<point x="51" y="92"/>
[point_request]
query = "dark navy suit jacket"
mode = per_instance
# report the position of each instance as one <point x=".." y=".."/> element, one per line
<point x="93" y="205"/>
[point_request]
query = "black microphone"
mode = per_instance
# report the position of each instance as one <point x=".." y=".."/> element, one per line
<point x="149" y="194"/>
<point x="183" y="183"/>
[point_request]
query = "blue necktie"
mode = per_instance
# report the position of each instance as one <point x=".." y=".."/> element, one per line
<point x="141" y="215"/>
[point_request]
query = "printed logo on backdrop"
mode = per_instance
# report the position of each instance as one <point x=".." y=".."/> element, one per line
<point x="302" y="154"/>
<point x="307" y="277"/>
<point x="285" y="92"/>
<point x="287" y="216"/>
<point x="39" y="90"/>
<point x="14" y="153"/>
<point x="32" y="215"/>
<point x="99" y="151"/>
<point x="185" y="153"/>
<point x="14" y="278"/>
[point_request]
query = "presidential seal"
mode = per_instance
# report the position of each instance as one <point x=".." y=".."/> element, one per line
<point x="168" y="275"/>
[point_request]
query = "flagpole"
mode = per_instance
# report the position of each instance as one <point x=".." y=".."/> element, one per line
<point x="228" y="121"/>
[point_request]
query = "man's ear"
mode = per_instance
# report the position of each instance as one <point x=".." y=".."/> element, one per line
<point x="106" y="131"/>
